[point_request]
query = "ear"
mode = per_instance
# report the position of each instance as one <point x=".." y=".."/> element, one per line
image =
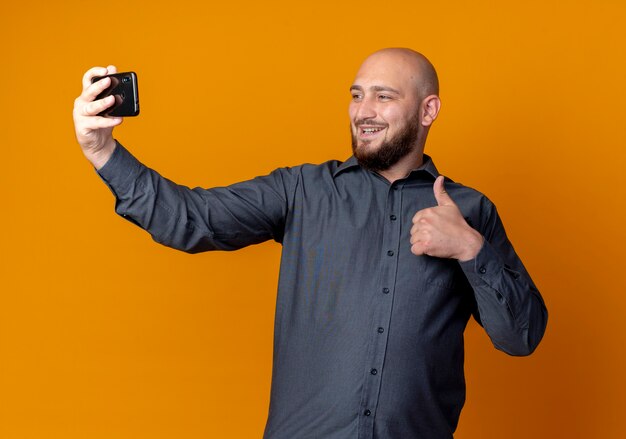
<point x="430" y="109"/>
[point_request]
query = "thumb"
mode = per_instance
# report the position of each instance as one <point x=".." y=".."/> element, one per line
<point x="442" y="197"/>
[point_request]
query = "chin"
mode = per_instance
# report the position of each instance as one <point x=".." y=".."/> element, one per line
<point x="367" y="146"/>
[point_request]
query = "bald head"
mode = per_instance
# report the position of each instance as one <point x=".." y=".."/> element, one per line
<point x="412" y="65"/>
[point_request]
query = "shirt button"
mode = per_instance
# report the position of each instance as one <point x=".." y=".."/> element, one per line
<point x="482" y="270"/>
<point x="386" y="290"/>
<point x="373" y="371"/>
<point x="381" y="330"/>
<point x="392" y="217"/>
<point x="390" y="253"/>
<point x="367" y="412"/>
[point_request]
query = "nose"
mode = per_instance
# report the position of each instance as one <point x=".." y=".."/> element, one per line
<point x="365" y="109"/>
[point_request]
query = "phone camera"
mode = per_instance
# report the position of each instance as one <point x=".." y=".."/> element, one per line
<point x="125" y="79"/>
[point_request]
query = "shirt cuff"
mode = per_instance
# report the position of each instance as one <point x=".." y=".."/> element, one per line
<point x="485" y="268"/>
<point x="121" y="170"/>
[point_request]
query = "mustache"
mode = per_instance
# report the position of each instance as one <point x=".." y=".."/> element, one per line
<point x="360" y="122"/>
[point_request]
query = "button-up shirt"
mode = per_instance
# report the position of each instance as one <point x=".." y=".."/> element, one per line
<point x="368" y="337"/>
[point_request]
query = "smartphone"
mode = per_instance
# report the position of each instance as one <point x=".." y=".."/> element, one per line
<point x="124" y="87"/>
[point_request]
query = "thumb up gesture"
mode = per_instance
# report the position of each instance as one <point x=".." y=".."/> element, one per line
<point x="441" y="231"/>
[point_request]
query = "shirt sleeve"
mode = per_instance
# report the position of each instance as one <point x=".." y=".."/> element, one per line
<point x="195" y="220"/>
<point x="509" y="306"/>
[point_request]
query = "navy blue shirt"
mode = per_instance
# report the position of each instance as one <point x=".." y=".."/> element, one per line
<point x="368" y="338"/>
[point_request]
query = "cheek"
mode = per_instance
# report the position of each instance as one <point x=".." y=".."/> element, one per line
<point x="398" y="117"/>
<point x="393" y="112"/>
<point x="352" y="111"/>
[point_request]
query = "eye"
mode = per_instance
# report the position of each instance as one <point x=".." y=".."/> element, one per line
<point x="356" y="96"/>
<point x="384" y="97"/>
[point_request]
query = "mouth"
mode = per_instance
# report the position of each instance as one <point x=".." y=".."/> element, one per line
<point x="370" y="131"/>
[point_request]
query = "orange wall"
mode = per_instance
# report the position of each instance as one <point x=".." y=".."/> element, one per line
<point x="105" y="334"/>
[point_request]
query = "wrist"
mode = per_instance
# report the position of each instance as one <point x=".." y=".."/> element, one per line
<point x="100" y="157"/>
<point x="472" y="245"/>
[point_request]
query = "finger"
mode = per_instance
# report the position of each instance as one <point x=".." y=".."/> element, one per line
<point x="420" y="235"/>
<point x="418" y="249"/>
<point x="96" y="123"/>
<point x="442" y="197"/>
<point x="96" y="107"/>
<point x="423" y="218"/>
<point x="420" y="215"/>
<point x="424" y="215"/>
<point x="92" y="73"/>
<point x="94" y="90"/>
<point x="106" y="122"/>
<point x="419" y="227"/>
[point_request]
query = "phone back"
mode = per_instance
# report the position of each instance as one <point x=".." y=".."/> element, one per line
<point x="124" y="88"/>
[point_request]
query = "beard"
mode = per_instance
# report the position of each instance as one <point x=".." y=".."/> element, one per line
<point x="390" y="151"/>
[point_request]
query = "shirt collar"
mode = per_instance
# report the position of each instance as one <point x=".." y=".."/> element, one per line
<point x="427" y="166"/>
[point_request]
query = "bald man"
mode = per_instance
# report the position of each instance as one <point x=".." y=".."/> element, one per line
<point x="383" y="261"/>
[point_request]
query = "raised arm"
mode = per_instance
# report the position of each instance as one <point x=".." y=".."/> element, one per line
<point x="190" y="220"/>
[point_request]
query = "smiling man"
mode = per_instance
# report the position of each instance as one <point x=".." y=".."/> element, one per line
<point x="383" y="263"/>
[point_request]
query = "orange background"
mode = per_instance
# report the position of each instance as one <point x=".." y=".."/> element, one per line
<point x="105" y="334"/>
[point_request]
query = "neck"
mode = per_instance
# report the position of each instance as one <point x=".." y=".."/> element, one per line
<point x="404" y="166"/>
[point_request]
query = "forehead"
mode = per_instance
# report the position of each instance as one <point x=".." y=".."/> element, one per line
<point x="388" y="70"/>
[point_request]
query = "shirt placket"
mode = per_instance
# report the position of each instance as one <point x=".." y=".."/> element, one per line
<point x="382" y="308"/>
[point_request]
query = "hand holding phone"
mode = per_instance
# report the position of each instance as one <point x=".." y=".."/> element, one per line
<point x="124" y="88"/>
<point x="93" y="133"/>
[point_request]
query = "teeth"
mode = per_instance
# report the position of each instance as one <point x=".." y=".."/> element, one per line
<point x="371" y="130"/>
